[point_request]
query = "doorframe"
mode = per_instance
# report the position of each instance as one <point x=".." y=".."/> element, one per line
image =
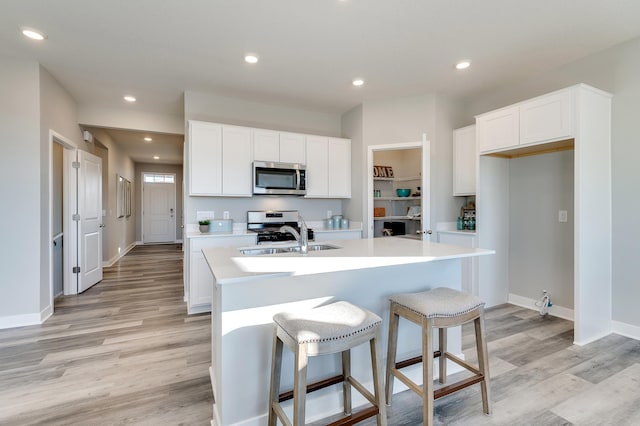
<point x="175" y="203"/>
<point x="425" y="146"/>
<point x="68" y="204"/>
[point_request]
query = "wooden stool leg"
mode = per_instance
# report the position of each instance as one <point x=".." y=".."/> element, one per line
<point x="391" y="352"/>
<point x="427" y="371"/>
<point x="483" y="362"/>
<point x="276" y="369"/>
<point x="300" y="385"/>
<point x="346" y="385"/>
<point x="378" y="389"/>
<point x="442" y="344"/>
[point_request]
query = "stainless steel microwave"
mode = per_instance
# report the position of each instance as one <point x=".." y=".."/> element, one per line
<point x="279" y="178"/>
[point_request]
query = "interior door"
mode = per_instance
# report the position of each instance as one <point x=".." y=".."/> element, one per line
<point x="90" y="221"/>
<point x="158" y="210"/>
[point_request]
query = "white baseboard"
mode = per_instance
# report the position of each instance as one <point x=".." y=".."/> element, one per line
<point x="24" y="320"/>
<point x="118" y="256"/>
<point x="555" y="310"/>
<point x="624" y="329"/>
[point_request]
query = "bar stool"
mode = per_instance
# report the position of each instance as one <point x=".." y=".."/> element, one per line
<point x="440" y="308"/>
<point x="329" y="329"/>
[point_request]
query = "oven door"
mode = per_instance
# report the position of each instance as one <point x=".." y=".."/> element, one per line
<point x="278" y="178"/>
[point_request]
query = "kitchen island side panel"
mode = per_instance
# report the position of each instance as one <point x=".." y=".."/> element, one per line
<point x="242" y="333"/>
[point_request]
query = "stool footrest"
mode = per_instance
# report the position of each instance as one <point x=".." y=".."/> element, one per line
<point x="356" y="417"/>
<point x="415" y="360"/>
<point x="454" y="387"/>
<point x="311" y="387"/>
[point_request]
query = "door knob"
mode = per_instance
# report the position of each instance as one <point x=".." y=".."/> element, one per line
<point x="102" y="225"/>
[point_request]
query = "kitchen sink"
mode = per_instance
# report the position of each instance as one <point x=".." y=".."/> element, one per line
<point x="275" y="250"/>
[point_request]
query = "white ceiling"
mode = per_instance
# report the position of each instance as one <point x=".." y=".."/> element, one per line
<point x="310" y="50"/>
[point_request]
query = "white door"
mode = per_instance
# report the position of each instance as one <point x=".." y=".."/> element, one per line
<point x="90" y="222"/>
<point x="158" y="208"/>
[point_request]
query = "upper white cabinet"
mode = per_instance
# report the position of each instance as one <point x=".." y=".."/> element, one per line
<point x="546" y="118"/>
<point x="219" y="160"/>
<point x="269" y="145"/>
<point x="328" y="167"/>
<point x="205" y="158"/>
<point x="464" y="161"/>
<point x="539" y="120"/>
<point x="498" y="129"/>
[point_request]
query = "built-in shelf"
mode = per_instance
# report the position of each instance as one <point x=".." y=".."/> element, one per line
<point x="396" y="198"/>
<point x="398" y="179"/>
<point x="396" y="218"/>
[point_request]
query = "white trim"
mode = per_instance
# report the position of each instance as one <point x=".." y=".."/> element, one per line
<point x="114" y="259"/>
<point x="624" y="329"/>
<point x="555" y="310"/>
<point x="23" y="320"/>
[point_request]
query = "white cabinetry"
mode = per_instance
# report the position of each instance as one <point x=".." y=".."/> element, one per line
<point x="337" y="235"/>
<point x="464" y="161"/>
<point x="269" y="145"/>
<point x="328" y="167"/>
<point x="543" y="119"/>
<point x="469" y="265"/>
<point x="199" y="276"/>
<point x="219" y="160"/>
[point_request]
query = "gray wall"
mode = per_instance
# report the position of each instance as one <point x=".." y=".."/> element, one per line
<point x="540" y="247"/>
<point x="616" y="70"/>
<point x="157" y="168"/>
<point x="20" y="187"/>
<point x="213" y="108"/>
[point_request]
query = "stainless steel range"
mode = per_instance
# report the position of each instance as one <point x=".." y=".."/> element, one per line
<point x="267" y="225"/>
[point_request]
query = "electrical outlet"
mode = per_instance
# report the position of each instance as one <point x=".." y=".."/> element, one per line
<point x="562" y="216"/>
<point x="225" y="215"/>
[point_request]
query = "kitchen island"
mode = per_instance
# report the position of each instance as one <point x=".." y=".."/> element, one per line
<point x="249" y="289"/>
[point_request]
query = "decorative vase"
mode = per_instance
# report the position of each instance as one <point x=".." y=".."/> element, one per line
<point x="204" y="229"/>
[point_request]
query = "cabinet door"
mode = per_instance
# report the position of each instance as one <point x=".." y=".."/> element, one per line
<point x="464" y="161"/>
<point x="546" y="118"/>
<point x="205" y="158"/>
<point x="201" y="280"/>
<point x="236" y="161"/>
<point x="317" y="166"/>
<point x="339" y="168"/>
<point x="292" y="148"/>
<point x="498" y="129"/>
<point x="266" y="145"/>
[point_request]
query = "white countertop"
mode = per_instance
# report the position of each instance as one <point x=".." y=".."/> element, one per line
<point x="235" y="233"/>
<point x="228" y="265"/>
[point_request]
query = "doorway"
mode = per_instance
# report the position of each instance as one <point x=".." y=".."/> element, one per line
<point x="158" y="208"/>
<point x="399" y="213"/>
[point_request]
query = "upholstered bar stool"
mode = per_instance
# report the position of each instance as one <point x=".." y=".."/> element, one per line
<point x="438" y="308"/>
<point x="329" y="329"/>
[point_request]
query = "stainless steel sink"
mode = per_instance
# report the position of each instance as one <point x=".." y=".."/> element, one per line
<point x="274" y="250"/>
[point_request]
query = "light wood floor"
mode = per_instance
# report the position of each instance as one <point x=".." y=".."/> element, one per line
<point x="126" y="353"/>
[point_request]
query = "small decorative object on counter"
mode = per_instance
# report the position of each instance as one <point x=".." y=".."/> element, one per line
<point x="344" y="223"/>
<point x="472" y="224"/>
<point x="460" y="224"/>
<point x="204" y="225"/>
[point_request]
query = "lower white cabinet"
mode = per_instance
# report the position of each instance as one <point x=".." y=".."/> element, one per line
<point x="346" y="234"/>
<point x="199" y="278"/>
<point x="469" y="265"/>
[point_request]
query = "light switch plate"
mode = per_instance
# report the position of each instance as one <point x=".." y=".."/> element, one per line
<point x="562" y="215"/>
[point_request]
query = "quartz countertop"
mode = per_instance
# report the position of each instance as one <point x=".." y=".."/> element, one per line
<point x="229" y="265"/>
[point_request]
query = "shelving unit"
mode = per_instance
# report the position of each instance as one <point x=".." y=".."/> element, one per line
<point x="397" y="207"/>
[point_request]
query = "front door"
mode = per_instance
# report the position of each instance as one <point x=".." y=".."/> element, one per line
<point x="90" y="222"/>
<point x="158" y="208"/>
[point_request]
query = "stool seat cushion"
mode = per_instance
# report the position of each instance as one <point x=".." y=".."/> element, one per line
<point x="441" y="302"/>
<point x="334" y="322"/>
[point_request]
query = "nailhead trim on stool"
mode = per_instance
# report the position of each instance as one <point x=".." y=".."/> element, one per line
<point x="329" y="329"/>
<point x="438" y="308"/>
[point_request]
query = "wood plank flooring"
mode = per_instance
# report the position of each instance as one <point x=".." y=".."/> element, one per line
<point x="126" y="353"/>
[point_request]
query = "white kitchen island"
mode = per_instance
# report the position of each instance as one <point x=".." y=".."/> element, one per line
<point x="249" y="290"/>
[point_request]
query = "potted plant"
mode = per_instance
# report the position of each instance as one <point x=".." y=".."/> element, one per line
<point x="204" y="225"/>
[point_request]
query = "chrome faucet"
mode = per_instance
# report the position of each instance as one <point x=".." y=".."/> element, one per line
<point x="301" y="237"/>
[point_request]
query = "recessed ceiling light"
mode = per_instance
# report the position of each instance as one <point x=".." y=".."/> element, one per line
<point x="155" y="157"/>
<point x="358" y="82"/>
<point x="463" y="65"/>
<point x="251" y="59"/>
<point x="130" y="98"/>
<point x="33" y="34"/>
<point x="148" y="139"/>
